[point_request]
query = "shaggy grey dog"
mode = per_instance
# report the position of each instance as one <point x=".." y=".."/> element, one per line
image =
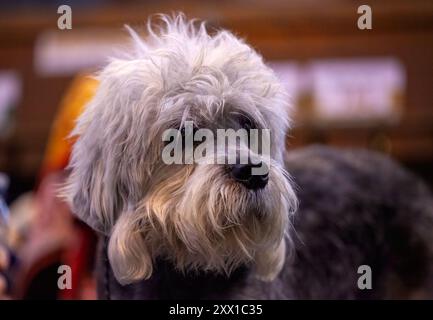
<point x="211" y="230"/>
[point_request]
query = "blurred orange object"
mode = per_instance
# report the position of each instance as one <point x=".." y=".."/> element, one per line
<point x="74" y="242"/>
<point x="59" y="145"/>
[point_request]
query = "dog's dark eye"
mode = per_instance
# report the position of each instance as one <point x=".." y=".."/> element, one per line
<point x="182" y="136"/>
<point x="246" y="123"/>
<point x="182" y="131"/>
<point x="194" y="130"/>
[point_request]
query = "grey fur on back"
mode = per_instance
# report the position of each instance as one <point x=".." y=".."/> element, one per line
<point x="356" y="208"/>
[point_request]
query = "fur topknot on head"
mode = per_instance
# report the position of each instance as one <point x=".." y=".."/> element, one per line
<point x="195" y="216"/>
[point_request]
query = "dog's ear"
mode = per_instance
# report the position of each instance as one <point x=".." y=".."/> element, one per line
<point x="129" y="256"/>
<point x="269" y="263"/>
<point x="104" y="173"/>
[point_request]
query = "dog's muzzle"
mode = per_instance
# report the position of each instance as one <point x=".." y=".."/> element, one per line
<point x="243" y="173"/>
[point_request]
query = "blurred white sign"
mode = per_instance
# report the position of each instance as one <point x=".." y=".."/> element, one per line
<point x="357" y="89"/>
<point x="59" y="53"/>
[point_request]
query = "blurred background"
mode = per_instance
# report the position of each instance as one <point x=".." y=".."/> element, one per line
<point x="349" y="88"/>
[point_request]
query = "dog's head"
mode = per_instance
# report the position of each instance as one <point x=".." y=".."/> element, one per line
<point x="199" y="215"/>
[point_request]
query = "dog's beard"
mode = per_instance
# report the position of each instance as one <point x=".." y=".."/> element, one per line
<point x="200" y="219"/>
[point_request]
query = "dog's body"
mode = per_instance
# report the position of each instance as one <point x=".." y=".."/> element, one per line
<point x="356" y="208"/>
<point x="212" y="230"/>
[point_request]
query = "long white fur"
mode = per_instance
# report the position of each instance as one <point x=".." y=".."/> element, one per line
<point x="194" y="215"/>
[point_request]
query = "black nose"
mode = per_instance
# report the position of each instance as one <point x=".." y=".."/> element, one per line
<point x="243" y="174"/>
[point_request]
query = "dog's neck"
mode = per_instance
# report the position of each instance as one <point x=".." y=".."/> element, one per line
<point x="167" y="282"/>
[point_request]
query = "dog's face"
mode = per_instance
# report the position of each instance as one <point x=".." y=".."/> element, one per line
<point x="206" y="216"/>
